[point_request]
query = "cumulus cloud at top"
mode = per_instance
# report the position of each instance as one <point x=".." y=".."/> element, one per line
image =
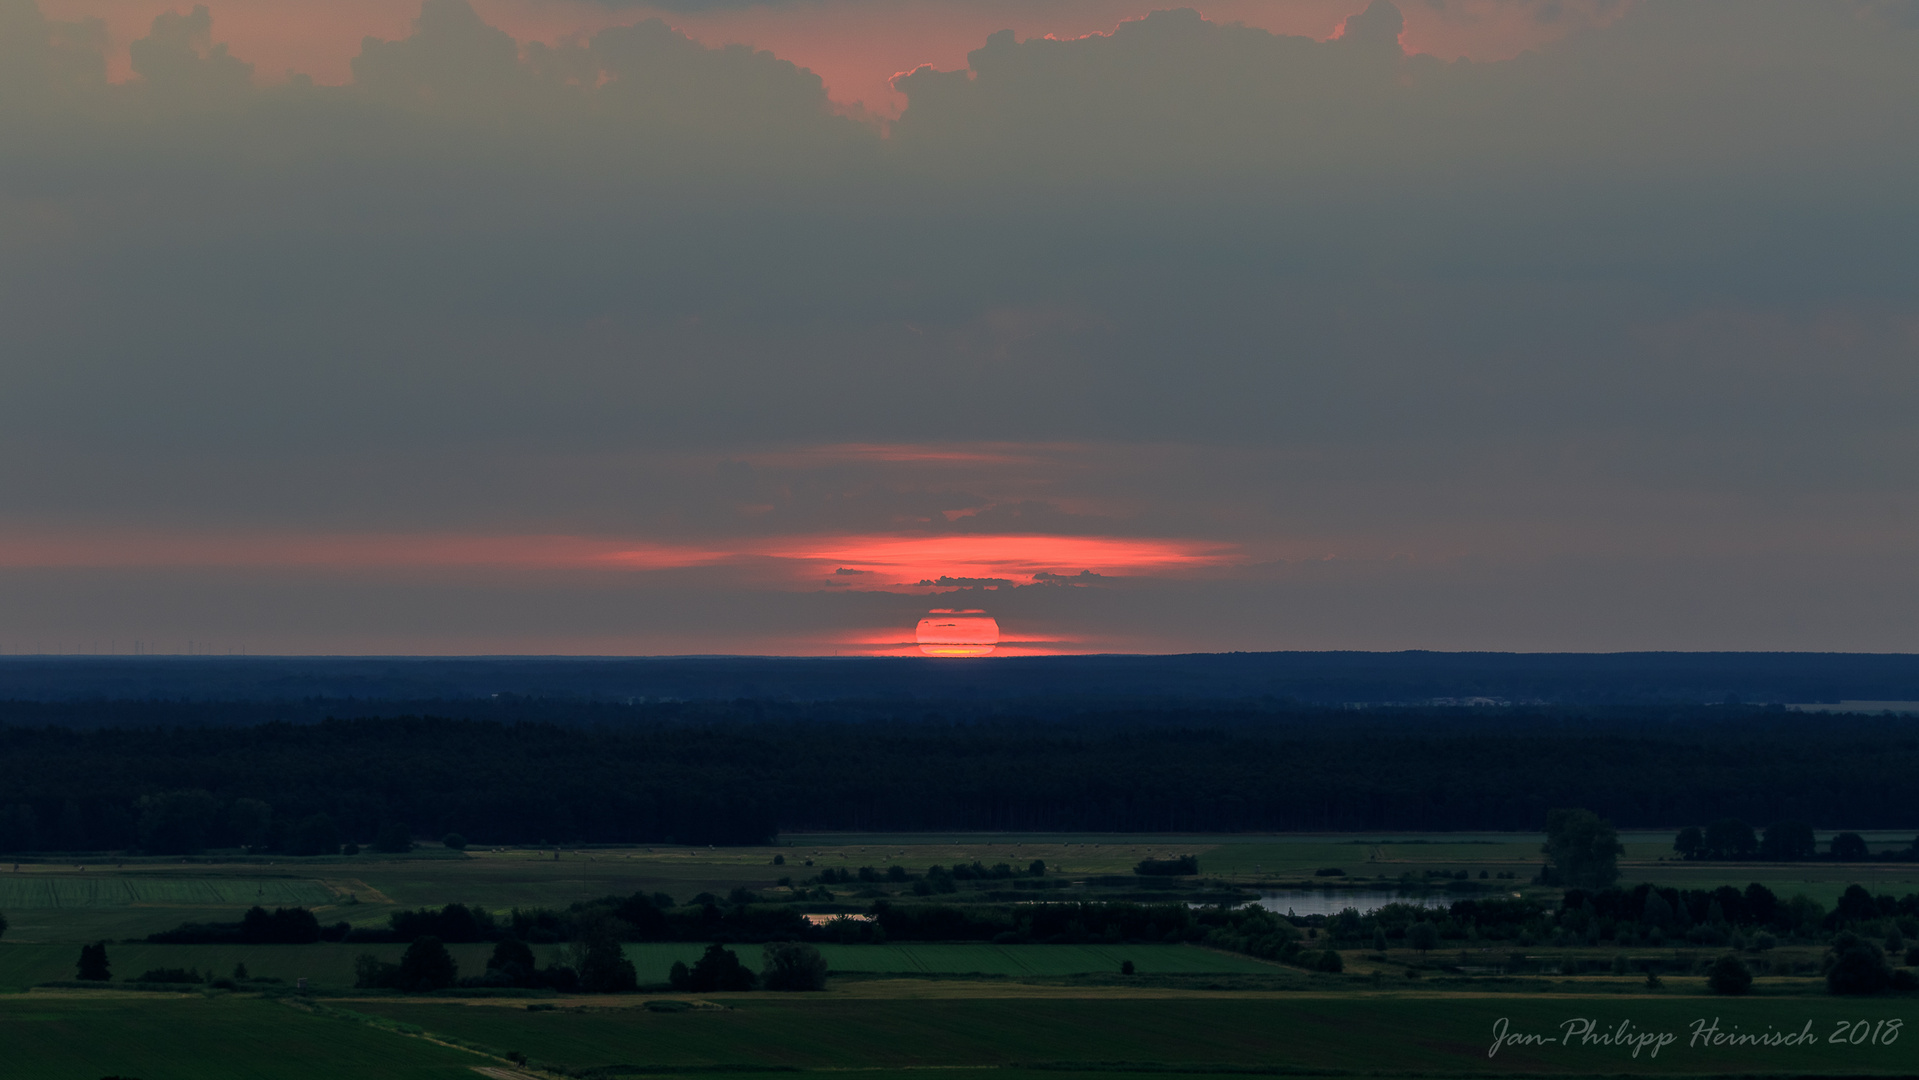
<point x="1641" y="294"/>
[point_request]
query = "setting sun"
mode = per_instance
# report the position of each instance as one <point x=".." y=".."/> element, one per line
<point x="949" y="632"/>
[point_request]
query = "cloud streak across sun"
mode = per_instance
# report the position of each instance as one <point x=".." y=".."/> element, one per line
<point x="871" y="562"/>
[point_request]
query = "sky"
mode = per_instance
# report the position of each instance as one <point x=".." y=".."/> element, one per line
<point x="600" y="327"/>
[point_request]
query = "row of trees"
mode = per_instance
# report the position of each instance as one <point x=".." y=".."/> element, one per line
<point x="733" y="779"/>
<point x="1785" y="841"/>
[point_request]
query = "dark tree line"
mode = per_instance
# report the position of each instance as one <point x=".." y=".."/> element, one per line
<point x="730" y="778"/>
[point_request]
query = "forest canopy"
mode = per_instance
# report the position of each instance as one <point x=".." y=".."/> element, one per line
<point x="741" y="773"/>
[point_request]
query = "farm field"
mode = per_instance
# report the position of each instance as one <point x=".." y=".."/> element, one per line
<point x="900" y="1008"/>
<point x="1092" y="1034"/>
<point x="194" y="1038"/>
<point x="1392" y="1034"/>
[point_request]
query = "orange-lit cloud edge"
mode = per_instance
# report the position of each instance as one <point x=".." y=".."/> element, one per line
<point x="866" y="562"/>
<point x="882" y="564"/>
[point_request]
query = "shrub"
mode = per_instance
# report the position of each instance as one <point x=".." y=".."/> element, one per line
<point x="1728" y="975"/>
<point x="93" y="966"/>
<point x="1126" y="967"/>
<point x="455" y="841"/>
<point x="1329" y="962"/>
<point x="1182" y="866"/>
<point x="601" y="964"/>
<point x="1329" y="871"/>
<point x="426" y="965"/>
<point x="1856" y="966"/>
<point x="512" y="963"/>
<point x="718" y="969"/>
<point x="792" y="966"/>
<point x="372" y="973"/>
<point x="1422" y="936"/>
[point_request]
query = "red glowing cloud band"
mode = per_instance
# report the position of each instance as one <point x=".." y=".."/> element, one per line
<point x="869" y="561"/>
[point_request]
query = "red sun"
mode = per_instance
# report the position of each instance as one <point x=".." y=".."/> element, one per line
<point x="952" y="632"/>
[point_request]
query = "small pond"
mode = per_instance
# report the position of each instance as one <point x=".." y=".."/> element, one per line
<point x="1334" y="901"/>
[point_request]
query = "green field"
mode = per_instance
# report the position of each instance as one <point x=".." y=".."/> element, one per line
<point x="177" y="1038"/>
<point x="1025" y="1011"/>
<point x="105" y="888"/>
<point x="84" y="1037"/>
<point x="1401" y="1035"/>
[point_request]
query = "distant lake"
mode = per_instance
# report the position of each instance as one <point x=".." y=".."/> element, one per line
<point x="1334" y="901"/>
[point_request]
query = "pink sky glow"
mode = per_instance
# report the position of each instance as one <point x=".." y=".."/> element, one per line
<point x="855" y="46"/>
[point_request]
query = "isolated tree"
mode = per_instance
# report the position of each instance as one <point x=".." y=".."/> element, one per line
<point x="3" y="925"/>
<point x="1849" y="847"/>
<point x="600" y="960"/>
<point x="787" y="965"/>
<point x="93" y="965"/>
<point x="1690" y="843"/>
<point x="1582" y="849"/>
<point x="718" y="969"/>
<point x="1856" y="904"/>
<point x="1788" y="841"/>
<point x="1856" y="966"/>
<point x="513" y="959"/>
<point x="1730" y="838"/>
<point x="1729" y="975"/>
<point x="454" y="840"/>
<point x="1658" y="911"/>
<point x="426" y="965"/>
<point x="1423" y="936"/>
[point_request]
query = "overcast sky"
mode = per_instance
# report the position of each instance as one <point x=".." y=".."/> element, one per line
<point x="562" y="326"/>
